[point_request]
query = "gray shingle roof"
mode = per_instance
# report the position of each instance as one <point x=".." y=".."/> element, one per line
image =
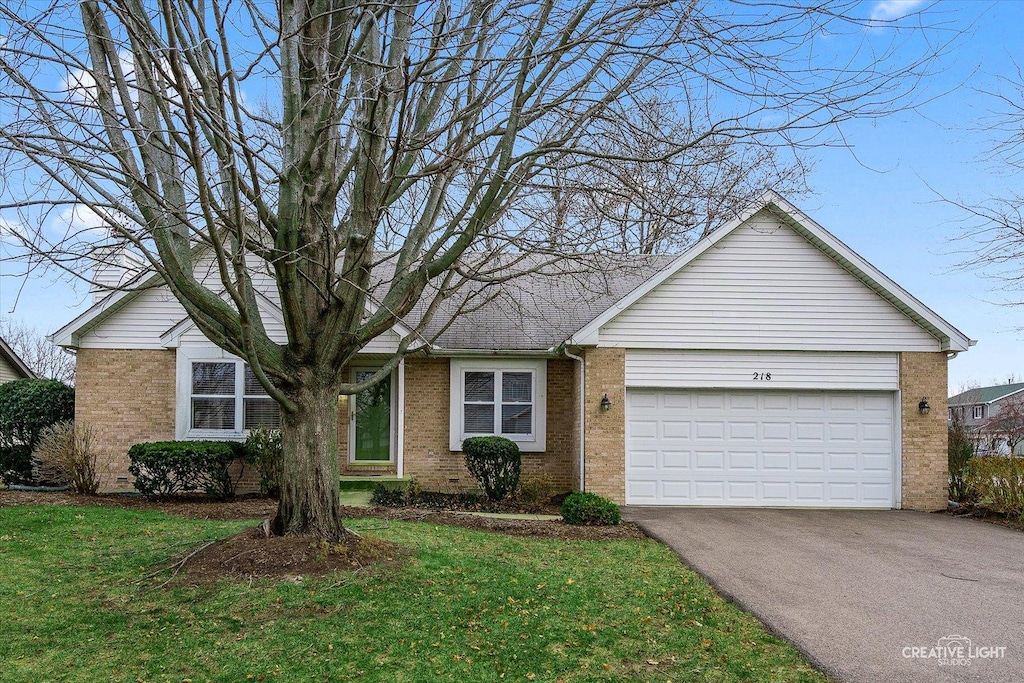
<point x="985" y="394"/>
<point x="538" y="309"/>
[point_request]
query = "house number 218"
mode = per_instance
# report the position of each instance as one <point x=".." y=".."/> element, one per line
<point x="762" y="376"/>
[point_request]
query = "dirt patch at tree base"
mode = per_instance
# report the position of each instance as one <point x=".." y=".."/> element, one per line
<point x="250" y="554"/>
<point x="202" y="507"/>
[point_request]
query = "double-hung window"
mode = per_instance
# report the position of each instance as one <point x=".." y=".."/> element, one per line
<point x="226" y="397"/>
<point x="503" y="398"/>
<point x="979" y="412"/>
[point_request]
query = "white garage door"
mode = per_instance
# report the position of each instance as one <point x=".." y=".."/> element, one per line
<point x="760" y="448"/>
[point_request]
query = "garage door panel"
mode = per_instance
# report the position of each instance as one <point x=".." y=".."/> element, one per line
<point x="675" y="460"/>
<point x="742" y="460"/>
<point x="760" y="448"/>
<point x="710" y="460"/>
<point x="675" y="429"/>
<point x="742" y="491"/>
<point x="637" y="459"/>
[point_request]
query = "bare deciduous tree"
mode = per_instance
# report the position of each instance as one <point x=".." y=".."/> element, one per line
<point x="44" y="358"/>
<point x="253" y="148"/>
<point x="992" y="237"/>
<point x="1007" y="425"/>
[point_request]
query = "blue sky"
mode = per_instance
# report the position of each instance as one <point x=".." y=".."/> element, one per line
<point x="879" y="197"/>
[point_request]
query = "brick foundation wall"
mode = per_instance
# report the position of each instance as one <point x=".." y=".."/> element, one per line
<point x="127" y="396"/>
<point x="925" y="473"/>
<point x="427" y="406"/>
<point x="605" y="431"/>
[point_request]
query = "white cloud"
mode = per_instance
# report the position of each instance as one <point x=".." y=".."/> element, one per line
<point x="83" y="223"/>
<point x="12" y="231"/>
<point x="890" y="10"/>
<point x="80" y="84"/>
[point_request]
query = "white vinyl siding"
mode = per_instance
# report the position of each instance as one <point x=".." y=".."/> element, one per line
<point x="7" y="372"/>
<point x="765" y="287"/>
<point x="137" y="325"/>
<point x="142" y="322"/>
<point x="761" y="448"/>
<point x="762" y="370"/>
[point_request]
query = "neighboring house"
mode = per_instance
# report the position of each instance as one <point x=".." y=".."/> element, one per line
<point x="989" y="411"/>
<point x="11" y="366"/>
<point x="769" y="365"/>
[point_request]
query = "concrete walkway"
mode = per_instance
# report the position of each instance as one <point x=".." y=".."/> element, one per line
<point x="867" y="596"/>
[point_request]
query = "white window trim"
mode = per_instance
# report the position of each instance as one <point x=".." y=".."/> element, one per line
<point x="979" y="412"/>
<point x="533" y="443"/>
<point x="183" y="393"/>
<point x="392" y="442"/>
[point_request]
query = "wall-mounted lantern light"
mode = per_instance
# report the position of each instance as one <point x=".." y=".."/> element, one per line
<point x="606" y="405"/>
<point x="923" y="406"/>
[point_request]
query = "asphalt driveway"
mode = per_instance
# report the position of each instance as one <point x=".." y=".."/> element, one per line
<point x="867" y="596"/>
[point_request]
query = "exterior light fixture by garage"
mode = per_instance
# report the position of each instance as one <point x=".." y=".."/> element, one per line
<point x="923" y="406"/>
<point x="606" y="405"/>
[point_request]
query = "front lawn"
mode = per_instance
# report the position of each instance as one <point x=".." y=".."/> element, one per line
<point x="79" y="602"/>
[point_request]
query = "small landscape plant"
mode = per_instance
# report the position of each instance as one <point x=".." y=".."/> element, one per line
<point x="496" y="464"/>
<point x="388" y="496"/>
<point x="589" y="509"/>
<point x="170" y="467"/>
<point x="535" y="490"/>
<point x="65" y="455"/>
<point x="997" y="483"/>
<point x="263" y="450"/>
<point x="961" y="448"/>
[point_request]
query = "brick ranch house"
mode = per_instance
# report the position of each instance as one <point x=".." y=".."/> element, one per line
<point x="768" y="365"/>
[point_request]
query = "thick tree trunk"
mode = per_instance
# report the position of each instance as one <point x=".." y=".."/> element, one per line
<point x="309" y="488"/>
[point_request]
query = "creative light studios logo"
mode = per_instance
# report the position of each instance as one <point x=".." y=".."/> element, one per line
<point x="954" y="651"/>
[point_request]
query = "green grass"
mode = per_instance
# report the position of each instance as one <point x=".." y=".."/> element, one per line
<point x="466" y="606"/>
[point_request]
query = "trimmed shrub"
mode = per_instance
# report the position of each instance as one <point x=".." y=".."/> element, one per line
<point x="65" y="455"/>
<point x="997" y="483"/>
<point x="16" y="464"/>
<point x="263" y="449"/>
<point x="589" y="509"/>
<point x="168" y="467"/>
<point x="29" y="406"/>
<point x="535" y="490"/>
<point x="495" y="462"/>
<point x="961" y="448"/>
<point x="391" y="497"/>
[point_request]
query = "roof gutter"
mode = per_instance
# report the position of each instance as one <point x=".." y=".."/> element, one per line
<point x="553" y="352"/>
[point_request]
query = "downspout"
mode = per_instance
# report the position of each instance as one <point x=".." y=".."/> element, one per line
<point x="583" y="414"/>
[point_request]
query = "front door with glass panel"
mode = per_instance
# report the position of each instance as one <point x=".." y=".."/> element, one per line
<point x="370" y="423"/>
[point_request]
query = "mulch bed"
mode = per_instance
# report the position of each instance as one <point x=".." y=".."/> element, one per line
<point x="984" y="514"/>
<point x="532" y="528"/>
<point x="201" y="507"/>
